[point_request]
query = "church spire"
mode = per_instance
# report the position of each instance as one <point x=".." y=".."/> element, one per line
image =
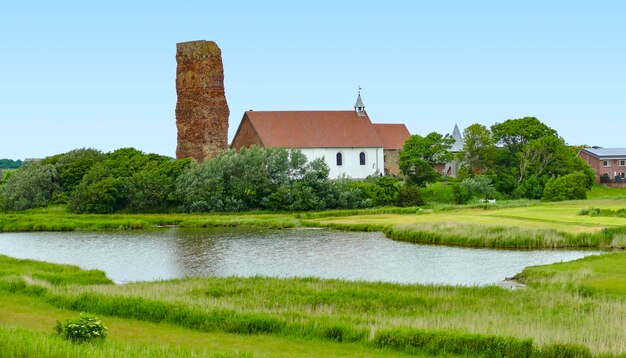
<point x="359" y="107"/>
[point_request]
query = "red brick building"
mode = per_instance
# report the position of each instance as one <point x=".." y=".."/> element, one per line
<point x="608" y="163"/>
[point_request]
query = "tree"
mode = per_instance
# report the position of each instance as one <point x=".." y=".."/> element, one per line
<point x="10" y="164"/>
<point x="515" y="133"/>
<point x="478" y="149"/>
<point x="72" y="166"/>
<point x="532" y="153"/>
<point x="419" y="154"/>
<point x="31" y="186"/>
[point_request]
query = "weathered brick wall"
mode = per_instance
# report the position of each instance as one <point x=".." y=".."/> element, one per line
<point x="201" y="110"/>
<point x="392" y="167"/>
<point x="246" y="136"/>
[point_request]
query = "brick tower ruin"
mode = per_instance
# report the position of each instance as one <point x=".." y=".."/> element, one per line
<point x="201" y="109"/>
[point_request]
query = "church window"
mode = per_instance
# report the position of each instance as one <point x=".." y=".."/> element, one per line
<point x="339" y="159"/>
<point x="362" y="158"/>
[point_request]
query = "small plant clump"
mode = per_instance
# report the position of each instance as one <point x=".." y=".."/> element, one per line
<point x="83" y="329"/>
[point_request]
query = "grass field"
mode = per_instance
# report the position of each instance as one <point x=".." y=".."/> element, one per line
<point x="581" y="304"/>
<point x="578" y="307"/>
<point x="514" y="224"/>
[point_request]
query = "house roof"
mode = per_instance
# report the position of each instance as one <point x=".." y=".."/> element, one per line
<point x="313" y="129"/>
<point x="392" y="135"/>
<point x="606" y="152"/>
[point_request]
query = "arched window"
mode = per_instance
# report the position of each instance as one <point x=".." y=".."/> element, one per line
<point x="339" y="159"/>
<point x="362" y="158"/>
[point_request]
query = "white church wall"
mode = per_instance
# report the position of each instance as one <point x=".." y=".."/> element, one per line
<point x="351" y="166"/>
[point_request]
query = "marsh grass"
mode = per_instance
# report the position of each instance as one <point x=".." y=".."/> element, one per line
<point x="23" y="343"/>
<point x="619" y="213"/>
<point x="52" y="273"/>
<point x="474" y="235"/>
<point x="549" y="312"/>
<point x="354" y="312"/>
<point x="507" y="224"/>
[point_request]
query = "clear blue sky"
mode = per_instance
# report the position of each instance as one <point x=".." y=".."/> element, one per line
<point x="76" y="74"/>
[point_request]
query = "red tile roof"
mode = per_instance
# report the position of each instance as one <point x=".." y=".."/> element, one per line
<point x="313" y="129"/>
<point x="392" y="135"/>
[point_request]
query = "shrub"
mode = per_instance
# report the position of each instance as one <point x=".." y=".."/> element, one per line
<point x="83" y="329"/>
<point x="442" y="192"/>
<point x="567" y="187"/>
<point x="445" y="343"/>
<point x="479" y="185"/>
<point x="409" y="195"/>
<point x="381" y="191"/>
<point x="29" y="187"/>
<point x="461" y="195"/>
<point x="565" y="351"/>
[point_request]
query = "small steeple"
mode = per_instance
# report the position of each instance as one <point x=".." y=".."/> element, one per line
<point x="359" y="107"/>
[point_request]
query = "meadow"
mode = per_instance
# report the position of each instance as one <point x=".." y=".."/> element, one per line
<point x="576" y="307"/>
<point x="568" y="309"/>
<point x="506" y="224"/>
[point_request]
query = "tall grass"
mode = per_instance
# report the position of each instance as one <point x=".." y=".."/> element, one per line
<point x="343" y="311"/>
<point x="620" y="213"/>
<point x="22" y="343"/>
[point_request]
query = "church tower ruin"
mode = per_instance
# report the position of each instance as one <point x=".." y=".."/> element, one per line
<point x="201" y="110"/>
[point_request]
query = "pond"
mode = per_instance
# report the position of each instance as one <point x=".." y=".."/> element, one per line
<point x="128" y="256"/>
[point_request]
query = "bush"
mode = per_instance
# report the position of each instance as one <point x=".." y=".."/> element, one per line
<point x="29" y="187"/>
<point x="442" y="192"/>
<point x="479" y="185"/>
<point x="83" y="329"/>
<point x="382" y="191"/>
<point x="445" y="343"/>
<point x="568" y="187"/>
<point x="409" y="195"/>
<point x="461" y="195"/>
<point x="565" y="351"/>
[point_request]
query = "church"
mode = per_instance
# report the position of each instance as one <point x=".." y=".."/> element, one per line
<point x="349" y="143"/>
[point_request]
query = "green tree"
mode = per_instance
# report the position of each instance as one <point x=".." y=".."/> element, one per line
<point x="513" y="134"/>
<point x="479" y="149"/>
<point x="568" y="187"/>
<point x="125" y="179"/>
<point x="419" y="154"/>
<point x="10" y="164"/>
<point x="532" y="152"/>
<point x="71" y="167"/>
<point x="31" y="186"/>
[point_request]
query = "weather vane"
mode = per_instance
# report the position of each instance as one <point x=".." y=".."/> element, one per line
<point x="360" y="89"/>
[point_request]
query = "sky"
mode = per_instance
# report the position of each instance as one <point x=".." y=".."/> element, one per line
<point x="77" y="74"/>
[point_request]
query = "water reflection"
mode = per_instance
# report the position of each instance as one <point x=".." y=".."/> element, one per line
<point x="172" y="253"/>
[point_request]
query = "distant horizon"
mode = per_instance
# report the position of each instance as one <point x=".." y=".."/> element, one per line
<point x="102" y="75"/>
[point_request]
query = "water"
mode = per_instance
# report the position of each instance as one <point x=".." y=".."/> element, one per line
<point x="173" y="253"/>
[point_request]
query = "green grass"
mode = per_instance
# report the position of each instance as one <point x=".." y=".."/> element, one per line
<point x="599" y="275"/>
<point x="26" y="326"/>
<point x="606" y="192"/>
<point x="508" y="224"/>
<point x="52" y="273"/>
<point x="356" y="314"/>
<point x="564" y="302"/>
